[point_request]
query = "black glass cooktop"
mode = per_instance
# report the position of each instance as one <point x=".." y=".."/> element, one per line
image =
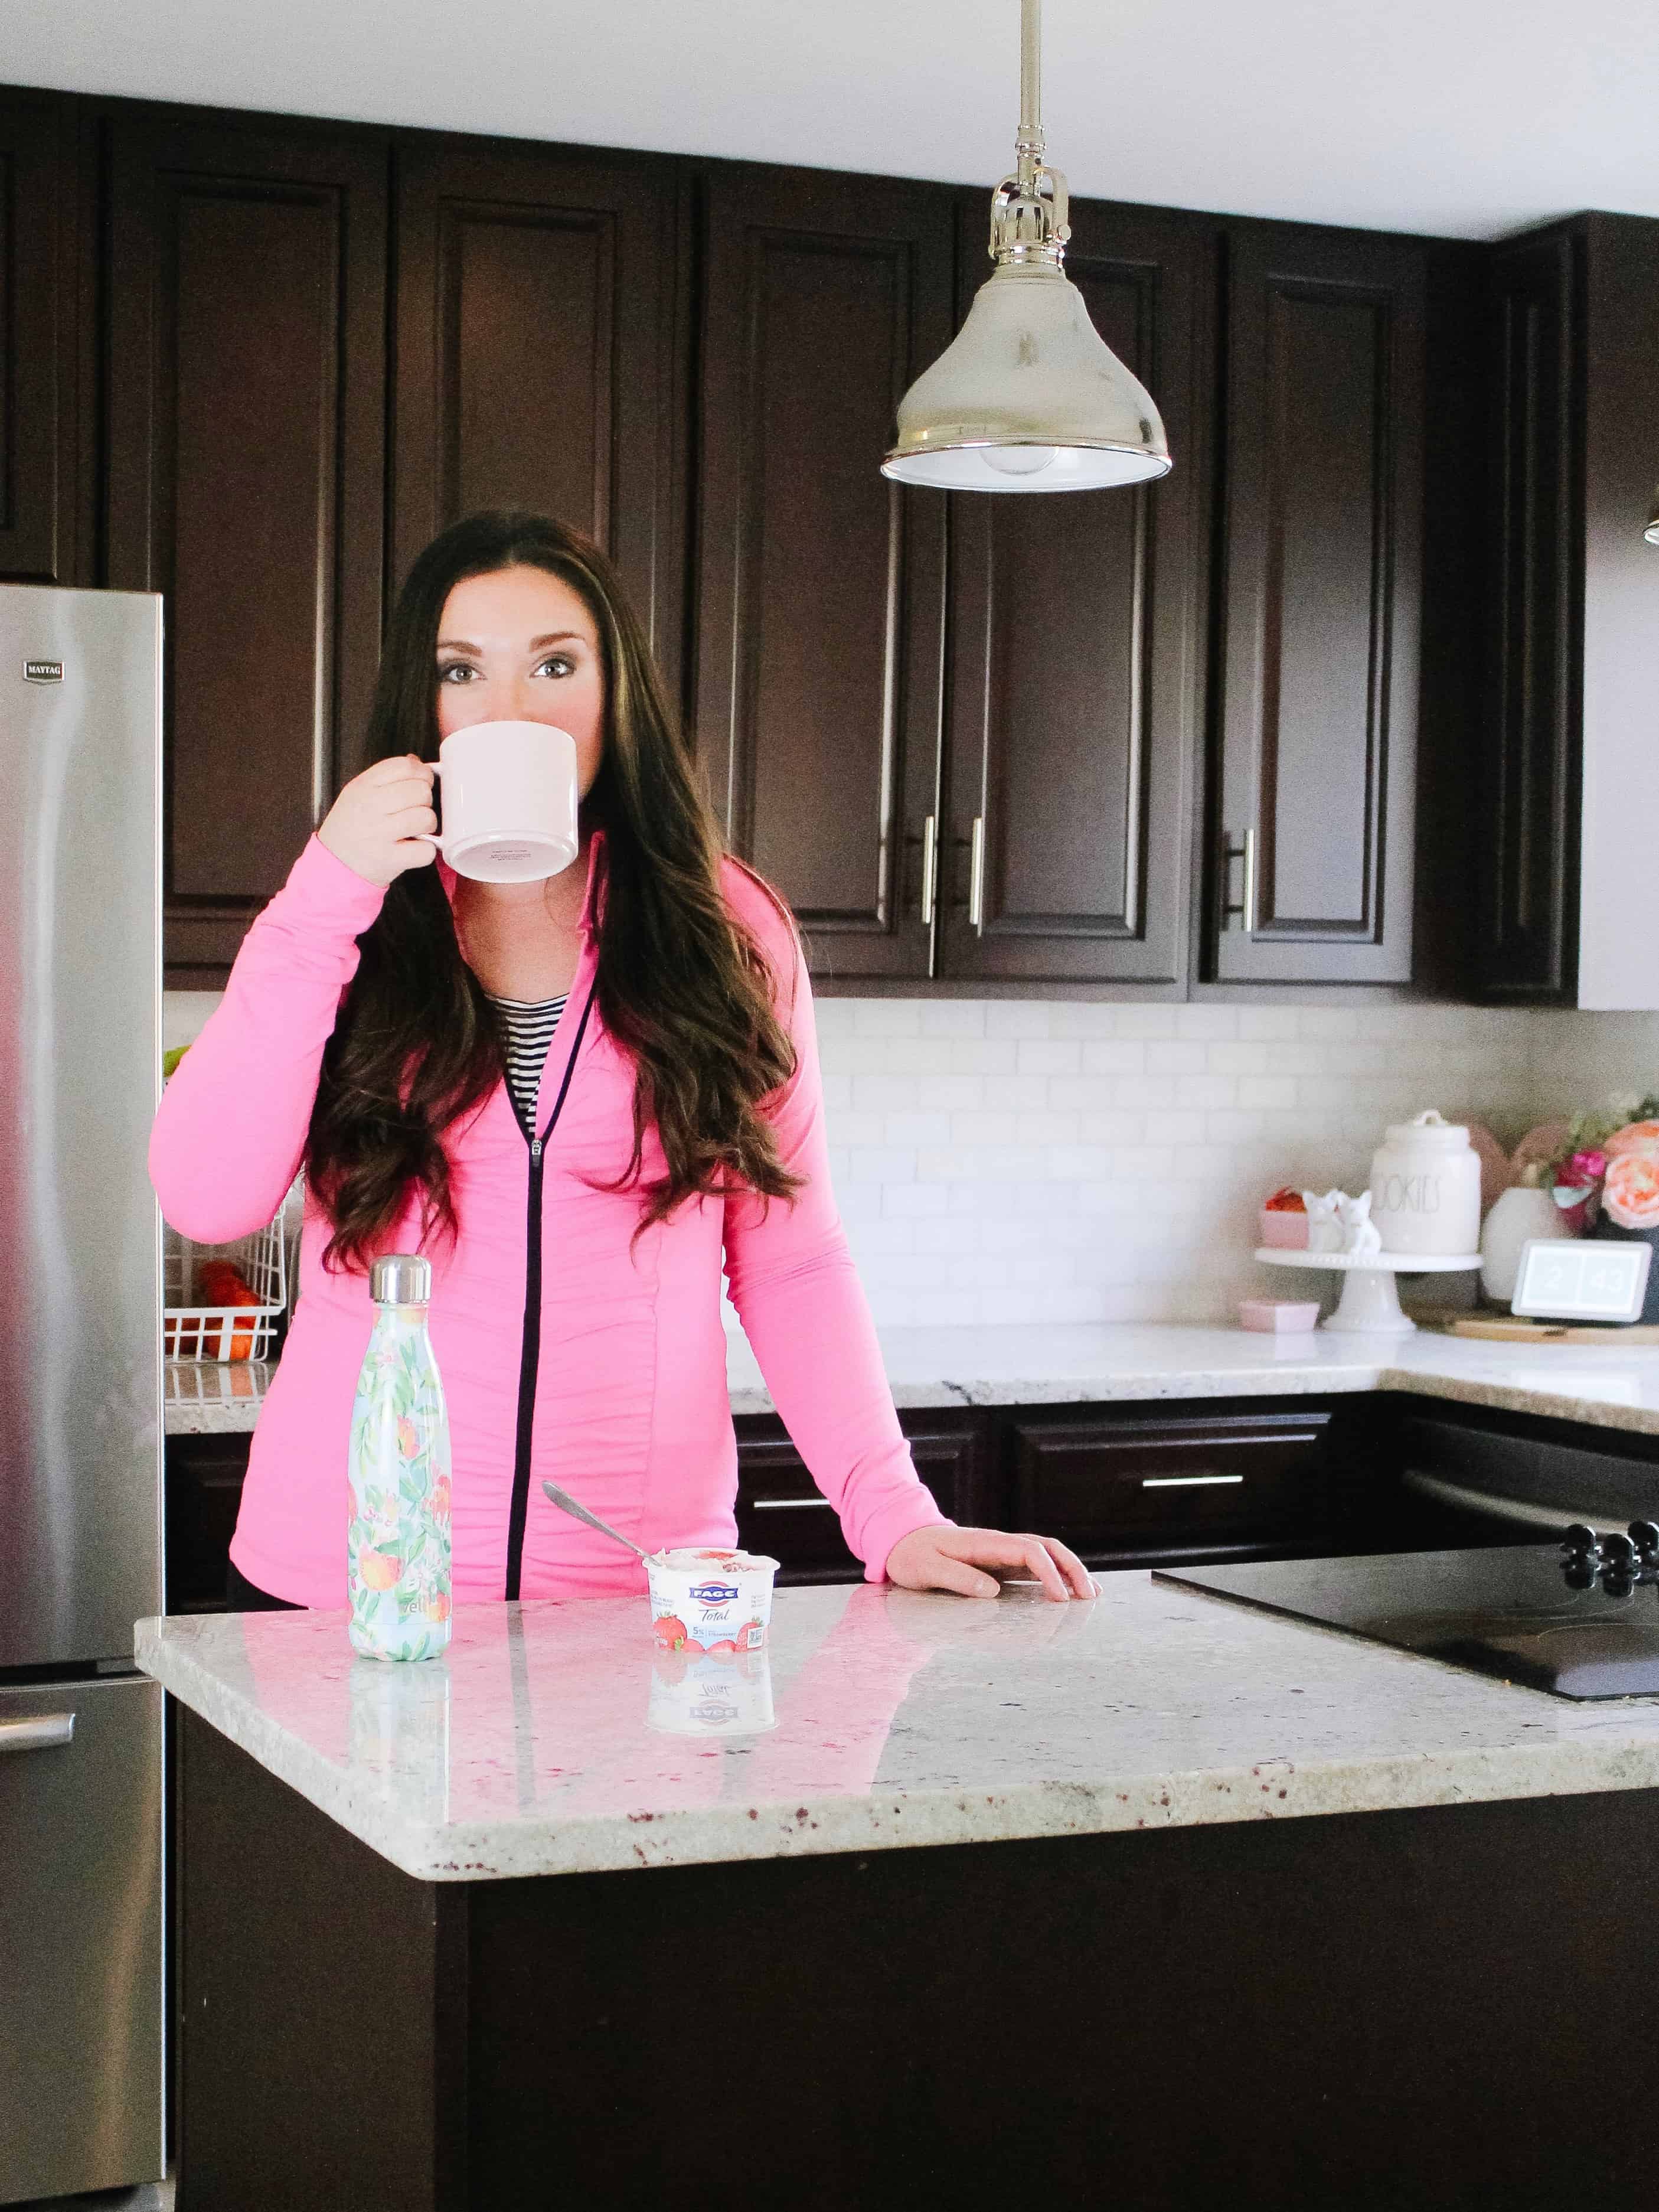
<point x="1581" y="1620"/>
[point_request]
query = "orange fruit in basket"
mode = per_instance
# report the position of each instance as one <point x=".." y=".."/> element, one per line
<point x="221" y="1283"/>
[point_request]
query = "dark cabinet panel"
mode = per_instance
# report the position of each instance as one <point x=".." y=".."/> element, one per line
<point x="782" y="1515"/>
<point x="537" y="362"/>
<point x="247" y="480"/>
<point x="41" y="264"/>
<point x="1119" y="1488"/>
<point x="821" y="583"/>
<point x="204" y="1479"/>
<point x="1528" y="856"/>
<point x="1077" y="655"/>
<point x="1314" y="796"/>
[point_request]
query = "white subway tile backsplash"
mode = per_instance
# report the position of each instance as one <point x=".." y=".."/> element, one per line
<point x="1012" y="1160"/>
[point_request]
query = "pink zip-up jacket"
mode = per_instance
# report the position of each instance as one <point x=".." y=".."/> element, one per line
<point x="608" y="1373"/>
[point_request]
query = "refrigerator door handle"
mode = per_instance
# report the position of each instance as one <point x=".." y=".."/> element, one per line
<point x="39" y="1732"/>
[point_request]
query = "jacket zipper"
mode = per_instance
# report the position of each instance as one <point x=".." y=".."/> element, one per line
<point x="529" y="1355"/>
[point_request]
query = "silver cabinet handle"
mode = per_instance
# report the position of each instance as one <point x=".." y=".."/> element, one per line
<point x="929" y="867"/>
<point x="1249" y="883"/>
<point x="1184" y="1481"/>
<point x="37" y="1734"/>
<point x="779" y="1505"/>
<point x="976" y="876"/>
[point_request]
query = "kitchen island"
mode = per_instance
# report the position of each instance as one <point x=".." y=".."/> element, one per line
<point x="1157" y="1899"/>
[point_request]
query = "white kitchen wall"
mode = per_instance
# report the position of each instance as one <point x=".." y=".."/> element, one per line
<point x="1580" y="1060"/>
<point x="1016" y="1160"/>
<point x="1027" y="1161"/>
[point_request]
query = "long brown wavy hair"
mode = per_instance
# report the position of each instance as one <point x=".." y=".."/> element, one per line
<point x="681" y="983"/>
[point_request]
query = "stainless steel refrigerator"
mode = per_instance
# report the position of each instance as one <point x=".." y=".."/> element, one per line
<point x="81" y="1802"/>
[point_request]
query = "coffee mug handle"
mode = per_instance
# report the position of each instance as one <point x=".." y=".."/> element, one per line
<point x="440" y="769"/>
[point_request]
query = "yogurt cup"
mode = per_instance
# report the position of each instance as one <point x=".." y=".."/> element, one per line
<point x="722" y="1693"/>
<point x="710" y="1601"/>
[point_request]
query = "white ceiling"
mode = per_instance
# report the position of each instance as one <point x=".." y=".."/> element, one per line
<point x="1469" y="117"/>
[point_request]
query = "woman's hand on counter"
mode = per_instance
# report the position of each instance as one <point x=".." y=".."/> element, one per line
<point x="953" y="1559"/>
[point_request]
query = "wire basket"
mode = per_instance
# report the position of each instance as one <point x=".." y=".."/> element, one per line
<point x="194" y="1332"/>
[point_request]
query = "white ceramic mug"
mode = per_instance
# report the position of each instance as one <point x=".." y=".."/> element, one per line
<point x="509" y="801"/>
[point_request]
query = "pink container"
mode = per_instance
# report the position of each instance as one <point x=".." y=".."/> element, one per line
<point x="1289" y="1231"/>
<point x="1278" y="1316"/>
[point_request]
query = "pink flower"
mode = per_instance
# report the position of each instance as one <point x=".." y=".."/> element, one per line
<point x="1635" y="1137"/>
<point x="408" y="1442"/>
<point x="1582" y="1170"/>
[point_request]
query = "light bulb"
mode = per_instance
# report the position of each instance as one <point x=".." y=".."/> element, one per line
<point x="1020" y="460"/>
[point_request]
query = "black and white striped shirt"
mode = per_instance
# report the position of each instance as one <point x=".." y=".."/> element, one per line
<point x="527" y="1032"/>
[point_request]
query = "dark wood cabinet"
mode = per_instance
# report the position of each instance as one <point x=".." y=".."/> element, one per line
<point x="204" y="1479"/>
<point x="1568" y="899"/>
<point x="1077" y="659"/>
<point x="821" y="584"/>
<point x="44" y="257"/>
<point x="1312" y="794"/>
<point x="1527" y="944"/>
<point x="540" y="353"/>
<point x="1128" y="1485"/>
<point x="782" y="1515"/>
<point x="247" y="381"/>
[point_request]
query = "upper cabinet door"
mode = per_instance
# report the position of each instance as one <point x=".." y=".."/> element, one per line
<point x="539" y="362"/>
<point x="41" y="267"/>
<point x="1314" y="806"/>
<point x="247" y="482"/>
<point x="1077" y="661"/>
<point x="821" y="584"/>
<point x="1527" y="932"/>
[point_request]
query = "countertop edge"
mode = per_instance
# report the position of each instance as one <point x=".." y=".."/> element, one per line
<point x="897" y="1819"/>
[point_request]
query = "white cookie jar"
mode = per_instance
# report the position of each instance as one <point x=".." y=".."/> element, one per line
<point x="1425" y="1188"/>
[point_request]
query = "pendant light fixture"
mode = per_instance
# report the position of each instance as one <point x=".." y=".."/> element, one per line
<point x="1651" y="533"/>
<point x="1028" y="396"/>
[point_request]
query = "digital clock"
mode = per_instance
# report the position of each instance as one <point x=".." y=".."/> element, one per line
<point x="1569" y="1279"/>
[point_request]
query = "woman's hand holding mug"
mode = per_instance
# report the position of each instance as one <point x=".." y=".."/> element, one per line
<point x="383" y="822"/>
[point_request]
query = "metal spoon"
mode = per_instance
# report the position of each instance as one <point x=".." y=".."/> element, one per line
<point x="568" y="1503"/>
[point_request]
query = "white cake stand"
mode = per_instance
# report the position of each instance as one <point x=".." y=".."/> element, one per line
<point x="1370" y="1304"/>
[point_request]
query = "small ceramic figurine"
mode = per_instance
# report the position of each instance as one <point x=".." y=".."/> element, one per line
<point x="1361" y="1237"/>
<point x="1337" y="1223"/>
<point x="1324" y="1228"/>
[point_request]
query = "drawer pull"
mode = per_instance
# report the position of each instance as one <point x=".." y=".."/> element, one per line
<point x="39" y="1735"/>
<point x="783" y="1504"/>
<point x="1184" y="1481"/>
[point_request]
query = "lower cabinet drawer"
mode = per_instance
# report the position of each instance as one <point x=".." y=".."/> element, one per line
<point x="1118" y="1490"/>
<point x="782" y="1513"/>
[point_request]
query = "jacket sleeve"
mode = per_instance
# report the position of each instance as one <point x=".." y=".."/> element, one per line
<point x="797" y="1293"/>
<point x="231" y="1132"/>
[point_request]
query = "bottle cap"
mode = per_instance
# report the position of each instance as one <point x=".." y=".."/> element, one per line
<point x="401" y="1278"/>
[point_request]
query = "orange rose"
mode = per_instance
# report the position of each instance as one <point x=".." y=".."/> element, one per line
<point x="1630" y="1193"/>
<point x="1638" y="1137"/>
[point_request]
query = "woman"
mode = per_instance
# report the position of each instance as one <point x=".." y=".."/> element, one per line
<point x="575" y="1096"/>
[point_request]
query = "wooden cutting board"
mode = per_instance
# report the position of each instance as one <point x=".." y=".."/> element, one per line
<point x="1516" y="1330"/>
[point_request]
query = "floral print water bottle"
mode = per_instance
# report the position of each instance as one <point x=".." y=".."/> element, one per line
<point x="397" y="1545"/>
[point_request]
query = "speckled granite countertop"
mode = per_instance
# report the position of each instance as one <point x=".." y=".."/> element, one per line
<point x="900" y="1720"/>
<point x="1611" y="1386"/>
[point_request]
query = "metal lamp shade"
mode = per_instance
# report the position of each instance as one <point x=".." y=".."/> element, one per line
<point x="1651" y="533"/>
<point x="1028" y="398"/>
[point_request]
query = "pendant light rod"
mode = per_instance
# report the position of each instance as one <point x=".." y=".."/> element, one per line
<point x="1031" y="83"/>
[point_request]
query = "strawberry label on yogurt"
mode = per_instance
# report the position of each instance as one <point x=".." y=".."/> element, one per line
<point x="710" y="1602"/>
